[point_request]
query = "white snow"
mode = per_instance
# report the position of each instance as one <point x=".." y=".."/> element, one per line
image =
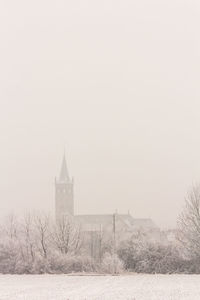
<point x="127" y="287"/>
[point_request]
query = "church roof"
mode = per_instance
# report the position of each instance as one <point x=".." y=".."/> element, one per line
<point x="94" y="219"/>
<point x="64" y="175"/>
<point x="144" y="223"/>
<point x="106" y="221"/>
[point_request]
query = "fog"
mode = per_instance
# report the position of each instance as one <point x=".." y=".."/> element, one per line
<point x="114" y="82"/>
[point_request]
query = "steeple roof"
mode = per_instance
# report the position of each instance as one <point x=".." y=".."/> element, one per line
<point x="64" y="175"/>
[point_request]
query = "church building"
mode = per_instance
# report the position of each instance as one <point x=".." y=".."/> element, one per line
<point x="64" y="205"/>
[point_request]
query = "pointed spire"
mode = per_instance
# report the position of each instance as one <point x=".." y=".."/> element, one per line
<point x="64" y="175"/>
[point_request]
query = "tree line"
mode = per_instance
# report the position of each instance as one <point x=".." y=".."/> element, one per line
<point x="36" y="244"/>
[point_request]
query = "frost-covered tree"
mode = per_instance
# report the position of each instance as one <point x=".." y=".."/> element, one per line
<point x="28" y="235"/>
<point x="189" y="223"/>
<point x="66" y="235"/>
<point x="42" y="231"/>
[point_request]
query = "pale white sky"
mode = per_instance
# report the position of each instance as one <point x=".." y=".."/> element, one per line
<point x="118" y="83"/>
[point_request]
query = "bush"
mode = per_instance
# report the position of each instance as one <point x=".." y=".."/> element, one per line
<point x="8" y="258"/>
<point x="65" y="263"/>
<point x="41" y="265"/>
<point x="111" y="264"/>
<point x="152" y="258"/>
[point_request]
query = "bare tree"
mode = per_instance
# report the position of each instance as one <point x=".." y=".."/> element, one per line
<point x="11" y="227"/>
<point x="66" y="235"/>
<point x="189" y="223"/>
<point x="28" y="235"/>
<point x="77" y="240"/>
<point x="12" y="242"/>
<point x="42" y="227"/>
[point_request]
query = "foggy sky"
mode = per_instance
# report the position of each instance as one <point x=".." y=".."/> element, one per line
<point x="118" y="83"/>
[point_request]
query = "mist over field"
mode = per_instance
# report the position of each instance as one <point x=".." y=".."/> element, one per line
<point x="117" y="84"/>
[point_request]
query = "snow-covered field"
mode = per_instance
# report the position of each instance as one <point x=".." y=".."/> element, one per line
<point x="131" y="287"/>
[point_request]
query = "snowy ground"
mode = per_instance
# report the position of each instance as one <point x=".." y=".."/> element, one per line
<point x="127" y="287"/>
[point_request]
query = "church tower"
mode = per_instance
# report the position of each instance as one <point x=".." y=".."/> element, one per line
<point x="64" y="197"/>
